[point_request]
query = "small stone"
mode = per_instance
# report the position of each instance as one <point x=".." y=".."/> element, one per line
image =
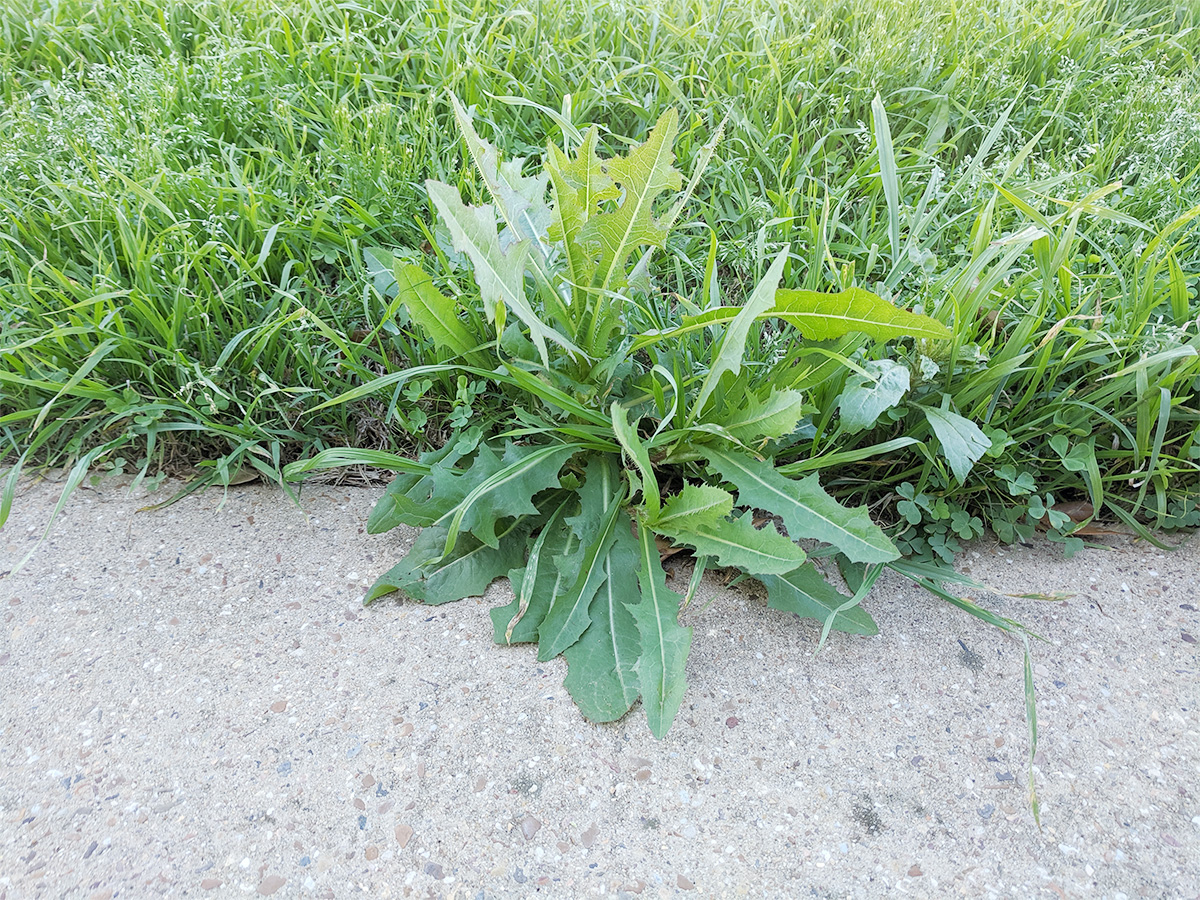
<point x="435" y="871"/>
<point x="589" y="837"/>
<point x="368" y="781"/>
<point x="403" y="835"/>
<point x="529" y="827"/>
<point x="480" y="784"/>
<point x="915" y="872"/>
<point x="731" y="722"/>
<point x="358" y="803"/>
<point x="405" y="730"/>
<point x="372" y="852"/>
<point x="209" y="883"/>
<point x="1004" y="776"/>
<point x="1188" y="638"/>
<point x="642" y="775"/>
<point x="519" y="875"/>
<point x="271" y="884"/>
<point x="279" y="706"/>
<point x="985" y="812"/>
<point x="684" y="884"/>
<point x="635" y="887"/>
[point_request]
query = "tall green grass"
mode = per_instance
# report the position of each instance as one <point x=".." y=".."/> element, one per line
<point x="187" y="191"/>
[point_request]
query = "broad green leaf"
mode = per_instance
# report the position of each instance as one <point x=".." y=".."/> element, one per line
<point x="645" y="173"/>
<point x="963" y="442"/>
<point x="808" y="595"/>
<point x="733" y="346"/>
<point x="665" y="643"/>
<point x="632" y="445"/>
<point x="777" y="415"/>
<point x="739" y="544"/>
<point x="520" y="198"/>
<point x="823" y="317"/>
<point x="865" y="399"/>
<point x="380" y="264"/>
<point x="820" y="317"/>
<point x="535" y="584"/>
<point x="695" y="504"/>
<point x="579" y="186"/>
<point x="427" y="575"/>
<point x="596" y="526"/>
<point x="508" y="491"/>
<point x="807" y="511"/>
<point x="499" y="272"/>
<point x="409" y="499"/>
<point x="433" y="311"/>
<point x="601" y="675"/>
<point x="513" y="627"/>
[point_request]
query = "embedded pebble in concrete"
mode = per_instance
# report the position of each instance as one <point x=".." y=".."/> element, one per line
<point x="193" y="701"/>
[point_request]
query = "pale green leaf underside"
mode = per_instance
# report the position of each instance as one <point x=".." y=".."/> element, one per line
<point x="807" y="511"/>
<point x="963" y="442"/>
<point x="536" y="584"/>
<point x="865" y="399"/>
<point x="499" y="273"/>
<point x="521" y="198"/>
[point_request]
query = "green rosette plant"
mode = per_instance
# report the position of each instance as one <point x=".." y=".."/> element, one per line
<point x="622" y="438"/>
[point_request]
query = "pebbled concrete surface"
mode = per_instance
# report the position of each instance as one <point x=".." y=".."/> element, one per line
<point x="194" y="703"/>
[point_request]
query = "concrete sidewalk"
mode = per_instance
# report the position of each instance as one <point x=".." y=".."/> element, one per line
<point x="193" y="702"/>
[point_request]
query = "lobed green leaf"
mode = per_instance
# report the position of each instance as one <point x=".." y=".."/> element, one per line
<point x="807" y="511"/>
<point x="806" y="593"/>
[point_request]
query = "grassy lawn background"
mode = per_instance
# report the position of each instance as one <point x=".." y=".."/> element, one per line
<point x="188" y="191"/>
